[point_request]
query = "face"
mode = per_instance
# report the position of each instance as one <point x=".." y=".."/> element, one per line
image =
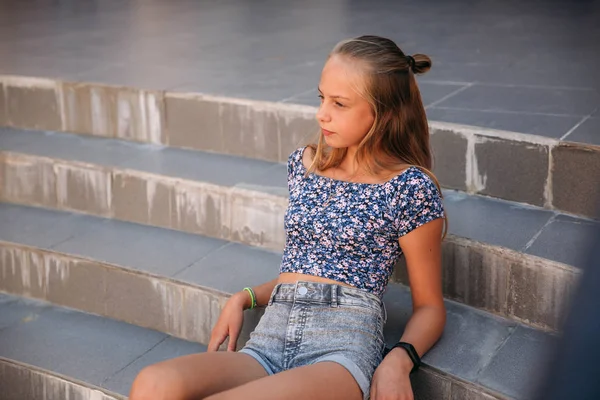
<point x="345" y="116"/>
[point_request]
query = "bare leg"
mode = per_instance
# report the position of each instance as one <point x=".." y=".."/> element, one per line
<point x="195" y="376"/>
<point x="325" y="380"/>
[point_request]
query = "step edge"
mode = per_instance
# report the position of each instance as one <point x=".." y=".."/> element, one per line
<point x="456" y="380"/>
<point x="46" y="82"/>
<point x="66" y="381"/>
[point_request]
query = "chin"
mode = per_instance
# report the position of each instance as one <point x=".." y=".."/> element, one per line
<point x="331" y="142"/>
<point x="334" y="143"/>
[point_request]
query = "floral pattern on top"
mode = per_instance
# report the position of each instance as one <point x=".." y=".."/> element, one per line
<point x="348" y="231"/>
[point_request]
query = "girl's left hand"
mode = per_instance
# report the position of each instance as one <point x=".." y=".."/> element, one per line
<point x="390" y="383"/>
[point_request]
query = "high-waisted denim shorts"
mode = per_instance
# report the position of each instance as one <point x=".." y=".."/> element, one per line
<point x="308" y="322"/>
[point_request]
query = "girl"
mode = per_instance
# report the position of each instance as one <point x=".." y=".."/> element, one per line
<point x="359" y="199"/>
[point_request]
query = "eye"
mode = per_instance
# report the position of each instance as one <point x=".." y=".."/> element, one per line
<point x="321" y="97"/>
<point x="337" y="103"/>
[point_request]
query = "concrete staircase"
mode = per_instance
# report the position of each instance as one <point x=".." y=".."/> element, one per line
<point x="121" y="239"/>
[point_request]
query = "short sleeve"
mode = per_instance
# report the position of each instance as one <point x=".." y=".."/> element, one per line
<point x="292" y="168"/>
<point x="419" y="202"/>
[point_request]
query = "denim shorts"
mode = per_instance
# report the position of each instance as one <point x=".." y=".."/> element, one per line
<point x="308" y="322"/>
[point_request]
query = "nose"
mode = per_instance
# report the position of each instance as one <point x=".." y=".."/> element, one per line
<point x="323" y="113"/>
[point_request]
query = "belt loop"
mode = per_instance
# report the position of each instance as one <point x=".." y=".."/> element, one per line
<point x="334" y="295"/>
<point x="273" y="293"/>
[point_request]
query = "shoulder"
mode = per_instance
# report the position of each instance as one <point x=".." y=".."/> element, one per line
<point x="296" y="165"/>
<point x="302" y="156"/>
<point x="417" y="192"/>
<point x="416" y="182"/>
<point x="418" y="200"/>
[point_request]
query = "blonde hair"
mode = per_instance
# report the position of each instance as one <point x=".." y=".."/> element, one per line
<point x="400" y="133"/>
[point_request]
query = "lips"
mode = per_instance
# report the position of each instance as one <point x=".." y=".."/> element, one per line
<point x="326" y="132"/>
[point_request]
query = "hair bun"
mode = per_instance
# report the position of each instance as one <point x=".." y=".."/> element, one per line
<point x="419" y="63"/>
<point x="411" y="62"/>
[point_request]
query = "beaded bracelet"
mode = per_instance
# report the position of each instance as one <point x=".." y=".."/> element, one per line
<point x="252" y="296"/>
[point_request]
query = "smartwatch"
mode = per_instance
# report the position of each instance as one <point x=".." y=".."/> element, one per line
<point x="412" y="353"/>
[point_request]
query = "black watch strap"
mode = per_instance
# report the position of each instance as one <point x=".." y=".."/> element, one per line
<point x="412" y="353"/>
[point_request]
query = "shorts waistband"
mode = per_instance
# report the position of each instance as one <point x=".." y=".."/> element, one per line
<point x="325" y="293"/>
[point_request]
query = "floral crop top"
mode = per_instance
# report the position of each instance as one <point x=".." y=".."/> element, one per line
<point x="349" y="231"/>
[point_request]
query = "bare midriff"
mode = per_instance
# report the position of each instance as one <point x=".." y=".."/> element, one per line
<point x="292" y="277"/>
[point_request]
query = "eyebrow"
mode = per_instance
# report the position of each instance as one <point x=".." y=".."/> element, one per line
<point x="333" y="97"/>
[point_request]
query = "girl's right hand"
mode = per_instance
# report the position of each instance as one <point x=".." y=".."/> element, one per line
<point x="229" y="323"/>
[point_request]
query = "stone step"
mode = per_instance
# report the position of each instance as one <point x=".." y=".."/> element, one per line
<point x="502" y="257"/>
<point x="520" y="167"/>
<point x="55" y="353"/>
<point x="72" y="354"/>
<point x="26" y="381"/>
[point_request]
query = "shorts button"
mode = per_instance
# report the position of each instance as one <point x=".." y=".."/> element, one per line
<point x="302" y="291"/>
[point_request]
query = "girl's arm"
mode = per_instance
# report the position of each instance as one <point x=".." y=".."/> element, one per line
<point x="262" y="292"/>
<point x="232" y="316"/>
<point x="422" y="249"/>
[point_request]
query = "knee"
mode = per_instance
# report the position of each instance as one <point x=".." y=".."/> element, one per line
<point x="156" y="383"/>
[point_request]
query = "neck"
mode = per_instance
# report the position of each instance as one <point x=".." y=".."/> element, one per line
<point x="349" y="163"/>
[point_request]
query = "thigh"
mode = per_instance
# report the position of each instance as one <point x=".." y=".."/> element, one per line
<point x="195" y="376"/>
<point x="325" y="380"/>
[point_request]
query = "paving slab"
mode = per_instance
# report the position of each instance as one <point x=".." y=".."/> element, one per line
<point x="552" y="126"/>
<point x="15" y="311"/>
<point x="74" y="147"/>
<point x="146" y="248"/>
<point x="520" y="363"/>
<point x="167" y="349"/>
<point x="245" y="266"/>
<point x="464" y="328"/>
<point x="40" y="227"/>
<point x="533" y="100"/>
<point x="587" y="132"/>
<point x="493" y="221"/>
<point x="72" y="343"/>
<point x="565" y="239"/>
<point x="201" y="166"/>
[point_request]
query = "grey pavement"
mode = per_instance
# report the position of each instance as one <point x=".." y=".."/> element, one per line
<point x="528" y="66"/>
